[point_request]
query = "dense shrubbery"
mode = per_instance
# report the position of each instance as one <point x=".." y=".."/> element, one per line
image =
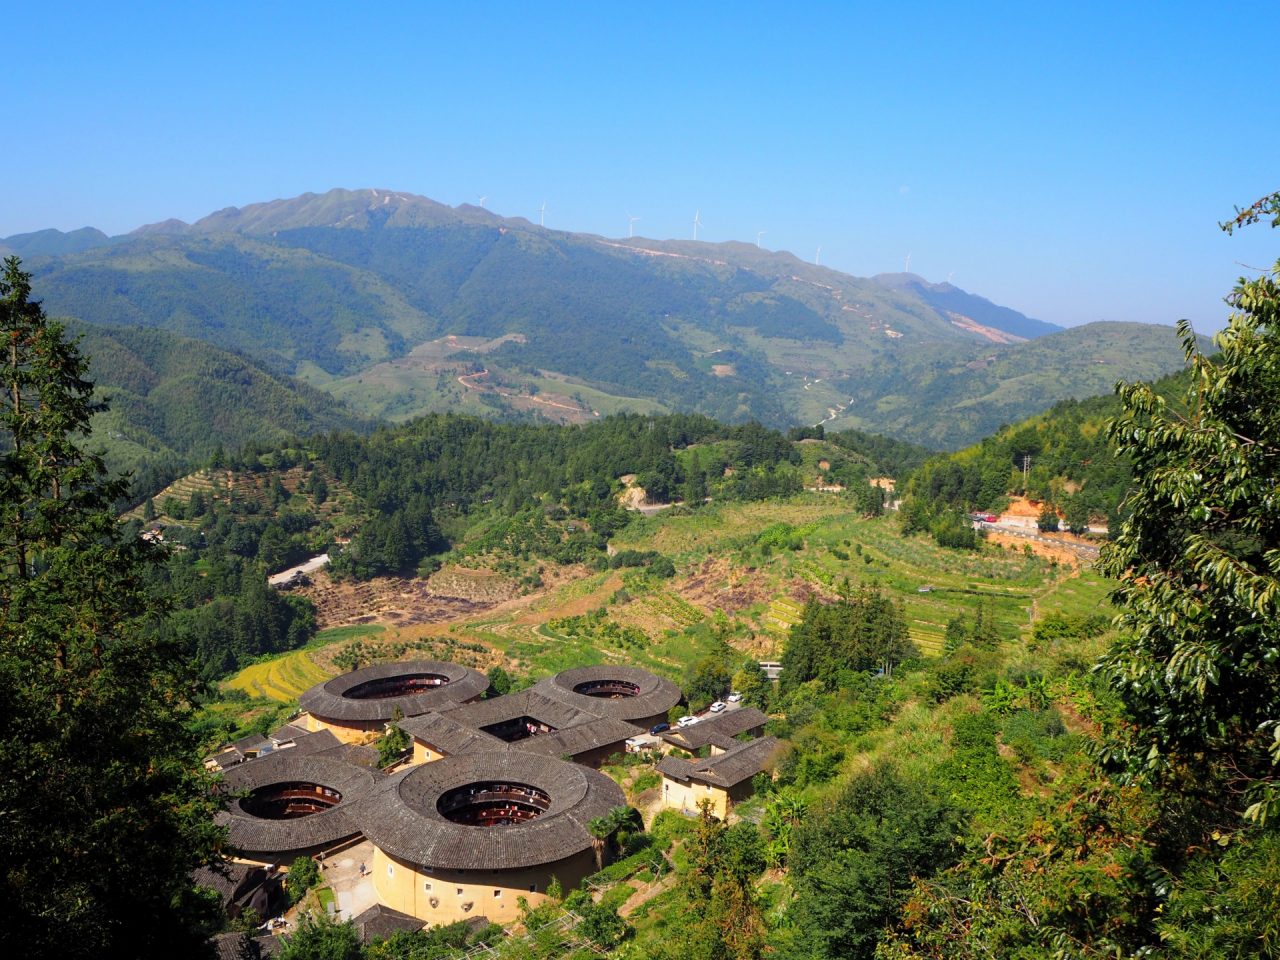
<point x="863" y="630"/>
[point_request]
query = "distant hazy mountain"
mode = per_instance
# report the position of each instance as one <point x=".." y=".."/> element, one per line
<point x="353" y="290"/>
<point x="967" y="307"/>
<point x="964" y="402"/>
<point x="45" y="243"/>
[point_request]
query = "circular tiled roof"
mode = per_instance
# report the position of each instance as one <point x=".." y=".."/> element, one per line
<point x="331" y="700"/>
<point x="653" y="694"/>
<point x="402" y="817"/>
<point x="251" y="834"/>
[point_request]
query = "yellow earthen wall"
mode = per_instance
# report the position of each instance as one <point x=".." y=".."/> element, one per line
<point x="347" y="734"/>
<point x="403" y="887"/>
<point x="687" y="796"/>
<point x="424" y="753"/>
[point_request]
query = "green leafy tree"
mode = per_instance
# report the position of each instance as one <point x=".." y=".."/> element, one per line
<point x="1198" y="560"/>
<point x="319" y="938"/>
<point x="499" y="681"/>
<point x="303" y="875"/>
<point x="105" y="811"/>
<point x="707" y="680"/>
<point x="1078" y="515"/>
<point x="1047" y="521"/>
<point x="854" y="862"/>
<point x="863" y="630"/>
<point x="393" y="744"/>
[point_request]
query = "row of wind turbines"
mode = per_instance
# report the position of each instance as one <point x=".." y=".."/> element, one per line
<point x="697" y="224"/>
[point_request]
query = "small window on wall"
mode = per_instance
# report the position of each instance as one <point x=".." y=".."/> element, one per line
<point x="497" y="893"/>
<point x="533" y="888"/>
<point x="427" y="885"/>
<point x="391" y="871"/>
<point x="459" y="891"/>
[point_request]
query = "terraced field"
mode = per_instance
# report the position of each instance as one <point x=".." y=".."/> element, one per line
<point x="283" y="678"/>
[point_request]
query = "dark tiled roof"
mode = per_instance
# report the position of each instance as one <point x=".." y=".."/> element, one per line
<point x="727" y="769"/>
<point x="253" y="743"/>
<point x="718" y="729"/>
<point x="401" y="816"/>
<point x="227" y="758"/>
<point x="287" y="733"/>
<point x="457" y="730"/>
<point x="227" y="878"/>
<point x="656" y="695"/>
<point x="274" y="839"/>
<point x="582" y="737"/>
<point x="234" y="946"/>
<point x="317" y="742"/>
<point x="379" y="923"/>
<point x="329" y="701"/>
<point x="526" y="703"/>
<point x="447" y="735"/>
<point x="362" y="755"/>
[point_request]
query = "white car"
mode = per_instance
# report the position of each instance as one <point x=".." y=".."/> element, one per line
<point x="735" y="697"/>
<point x="717" y="706"/>
<point x="686" y="721"/>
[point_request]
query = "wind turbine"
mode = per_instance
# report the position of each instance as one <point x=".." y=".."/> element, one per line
<point x="759" y="234"/>
<point x="908" y="266"/>
<point x="482" y="200"/>
<point x="631" y="225"/>
<point x="950" y="275"/>
<point x="542" y="215"/>
<point x="817" y="259"/>
<point x="697" y="222"/>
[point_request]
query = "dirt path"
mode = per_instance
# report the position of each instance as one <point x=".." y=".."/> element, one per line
<point x="467" y="381"/>
<point x="641" y="897"/>
<point x="1072" y="572"/>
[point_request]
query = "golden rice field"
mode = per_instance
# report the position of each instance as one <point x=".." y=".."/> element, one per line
<point x="283" y="679"/>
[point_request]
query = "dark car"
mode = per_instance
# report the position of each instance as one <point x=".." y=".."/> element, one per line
<point x="660" y="728"/>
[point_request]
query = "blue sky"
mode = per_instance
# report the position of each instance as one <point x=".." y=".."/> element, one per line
<point x="1071" y="163"/>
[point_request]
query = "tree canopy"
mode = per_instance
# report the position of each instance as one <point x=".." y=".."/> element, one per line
<point x="1198" y="559"/>
<point x="105" y="810"/>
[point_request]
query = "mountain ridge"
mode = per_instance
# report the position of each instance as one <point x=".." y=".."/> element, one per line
<point x="334" y="286"/>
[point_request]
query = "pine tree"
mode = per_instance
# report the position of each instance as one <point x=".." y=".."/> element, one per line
<point x="105" y="813"/>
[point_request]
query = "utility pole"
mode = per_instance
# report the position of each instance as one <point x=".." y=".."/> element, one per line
<point x="1026" y="467"/>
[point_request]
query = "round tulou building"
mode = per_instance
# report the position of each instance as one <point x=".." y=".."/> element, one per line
<point x="629" y="694"/>
<point x="470" y="835"/>
<point x="493" y="803"/>
<point x="291" y="805"/>
<point x="355" y="705"/>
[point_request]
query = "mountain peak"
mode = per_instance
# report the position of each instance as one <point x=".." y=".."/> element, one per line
<point x="165" y="228"/>
<point x="966" y="308"/>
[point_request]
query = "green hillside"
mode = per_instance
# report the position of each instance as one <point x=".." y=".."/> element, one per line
<point x="344" y="289"/>
<point x="955" y="404"/>
<point x="1066" y="453"/>
<point x="174" y="400"/>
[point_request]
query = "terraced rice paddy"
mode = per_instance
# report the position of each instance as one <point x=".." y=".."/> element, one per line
<point x="283" y="678"/>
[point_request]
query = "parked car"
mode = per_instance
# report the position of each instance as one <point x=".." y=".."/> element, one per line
<point x="660" y="728"/>
<point x="735" y="697"/>
<point x="717" y="706"/>
<point x="687" y="721"/>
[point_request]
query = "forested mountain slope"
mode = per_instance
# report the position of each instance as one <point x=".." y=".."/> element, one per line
<point x="1065" y="452"/>
<point x="346" y="289"/>
<point x="175" y="400"/>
